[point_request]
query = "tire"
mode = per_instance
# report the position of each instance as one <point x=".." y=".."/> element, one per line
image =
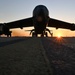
<point x="34" y="35"/>
<point x="52" y="35"/>
<point x="7" y="35"/>
<point x="10" y="35"/>
<point x="46" y="34"/>
<point x="42" y="35"/>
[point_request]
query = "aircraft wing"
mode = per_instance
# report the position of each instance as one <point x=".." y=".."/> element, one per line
<point x="60" y="24"/>
<point x="20" y="23"/>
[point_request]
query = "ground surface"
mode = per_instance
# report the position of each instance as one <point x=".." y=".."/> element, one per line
<point x="37" y="56"/>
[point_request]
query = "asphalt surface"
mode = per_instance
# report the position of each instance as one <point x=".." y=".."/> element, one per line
<point x="60" y="55"/>
<point x="37" y="56"/>
<point x="22" y="57"/>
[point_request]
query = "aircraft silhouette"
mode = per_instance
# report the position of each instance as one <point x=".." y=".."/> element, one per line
<point x="40" y="20"/>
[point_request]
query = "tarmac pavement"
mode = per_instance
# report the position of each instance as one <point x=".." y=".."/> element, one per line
<point x="36" y="56"/>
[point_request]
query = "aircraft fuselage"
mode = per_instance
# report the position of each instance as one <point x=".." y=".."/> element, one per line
<point x="40" y="18"/>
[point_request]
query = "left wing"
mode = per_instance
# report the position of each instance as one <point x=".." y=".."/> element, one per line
<point x="60" y="24"/>
<point x="20" y="23"/>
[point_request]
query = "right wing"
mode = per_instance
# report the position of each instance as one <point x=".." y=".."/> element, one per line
<point x="60" y="24"/>
<point x="20" y="23"/>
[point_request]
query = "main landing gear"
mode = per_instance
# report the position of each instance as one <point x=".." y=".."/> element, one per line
<point x="44" y="34"/>
<point x="9" y="34"/>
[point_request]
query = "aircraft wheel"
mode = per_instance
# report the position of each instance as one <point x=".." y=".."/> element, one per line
<point x="34" y="35"/>
<point x="52" y="35"/>
<point x="7" y="35"/>
<point x="10" y="35"/>
<point x="46" y="34"/>
<point x="42" y="35"/>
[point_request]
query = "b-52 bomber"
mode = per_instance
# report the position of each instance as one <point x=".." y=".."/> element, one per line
<point x="40" y="20"/>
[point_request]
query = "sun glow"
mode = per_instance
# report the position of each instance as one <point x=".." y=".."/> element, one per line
<point x="59" y="36"/>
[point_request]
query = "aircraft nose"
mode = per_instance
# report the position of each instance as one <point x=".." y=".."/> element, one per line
<point x="41" y="12"/>
<point x="39" y="19"/>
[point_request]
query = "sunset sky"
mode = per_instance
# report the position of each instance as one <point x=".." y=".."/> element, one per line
<point x="11" y="10"/>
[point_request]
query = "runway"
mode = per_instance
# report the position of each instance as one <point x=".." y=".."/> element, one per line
<point x="60" y="55"/>
<point x="37" y="56"/>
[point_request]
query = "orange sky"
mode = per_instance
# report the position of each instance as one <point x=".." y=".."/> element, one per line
<point x="19" y="33"/>
<point x="61" y="32"/>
